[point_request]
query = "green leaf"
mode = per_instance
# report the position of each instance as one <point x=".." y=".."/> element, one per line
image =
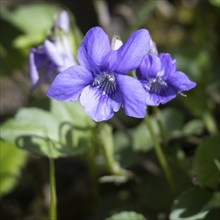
<point x="195" y="64"/>
<point x="191" y="205"/>
<point x="127" y="215"/>
<point x="141" y="136"/>
<point x="63" y="132"/>
<point x="215" y="3"/>
<point x="36" y="30"/>
<point x="217" y="163"/>
<point x="12" y="160"/>
<point x="72" y="112"/>
<point x="123" y="150"/>
<point x="210" y="122"/>
<point x="194" y="127"/>
<point x="31" y="19"/>
<point x="32" y="129"/>
<point x="26" y="26"/>
<point x="214" y="206"/>
<point x="204" y="163"/>
<point x="172" y="121"/>
<point x="214" y="201"/>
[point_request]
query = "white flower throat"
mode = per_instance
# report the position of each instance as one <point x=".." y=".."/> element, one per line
<point x="157" y="86"/>
<point x="106" y="82"/>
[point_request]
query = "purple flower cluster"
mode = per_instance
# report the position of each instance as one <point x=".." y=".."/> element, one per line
<point x="161" y="81"/>
<point x="53" y="56"/>
<point x="101" y="82"/>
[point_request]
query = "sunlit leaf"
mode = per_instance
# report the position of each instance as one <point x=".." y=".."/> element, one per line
<point x="27" y="26"/>
<point x="127" y="215"/>
<point x="191" y="205"/>
<point x="64" y="132"/>
<point x="113" y="179"/>
<point x="12" y="160"/>
<point x="216" y="3"/>
<point x="31" y="18"/>
<point x="72" y="112"/>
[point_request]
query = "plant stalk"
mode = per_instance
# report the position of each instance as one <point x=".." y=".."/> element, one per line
<point x="160" y="154"/>
<point x="53" y="210"/>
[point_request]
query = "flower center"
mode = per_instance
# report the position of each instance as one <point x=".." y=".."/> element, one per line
<point x="157" y="86"/>
<point x="106" y="82"/>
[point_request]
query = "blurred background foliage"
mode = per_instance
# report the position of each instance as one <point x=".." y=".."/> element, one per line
<point x="92" y="185"/>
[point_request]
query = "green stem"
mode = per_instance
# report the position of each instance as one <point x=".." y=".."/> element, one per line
<point x="113" y="166"/>
<point x="53" y="212"/>
<point x="160" y="155"/>
<point x="106" y="144"/>
<point x="90" y="155"/>
<point x="161" y="127"/>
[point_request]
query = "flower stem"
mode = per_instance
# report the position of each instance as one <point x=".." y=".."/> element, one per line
<point x="53" y="211"/>
<point x="158" y="118"/>
<point x="106" y="144"/>
<point x="160" y="155"/>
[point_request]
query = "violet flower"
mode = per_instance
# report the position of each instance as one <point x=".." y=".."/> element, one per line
<point x="52" y="57"/>
<point x="153" y="47"/>
<point x="160" y="79"/>
<point x="100" y="82"/>
<point x="62" y="21"/>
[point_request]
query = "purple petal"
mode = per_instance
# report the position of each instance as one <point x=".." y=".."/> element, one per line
<point x="94" y="46"/>
<point x="53" y="53"/>
<point x="69" y="84"/>
<point x="149" y="68"/>
<point x="133" y="96"/>
<point x="116" y="101"/>
<point x="130" y="55"/>
<point x="34" y="75"/>
<point x="68" y="58"/>
<point x="40" y="58"/>
<point x="167" y="63"/>
<point x="63" y="48"/>
<point x="181" y="81"/>
<point x="41" y="68"/>
<point x="153" y="99"/>
<point x="98" y="106"/>
<point x="62" y="22"/>
<point x="153" y="47"/>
